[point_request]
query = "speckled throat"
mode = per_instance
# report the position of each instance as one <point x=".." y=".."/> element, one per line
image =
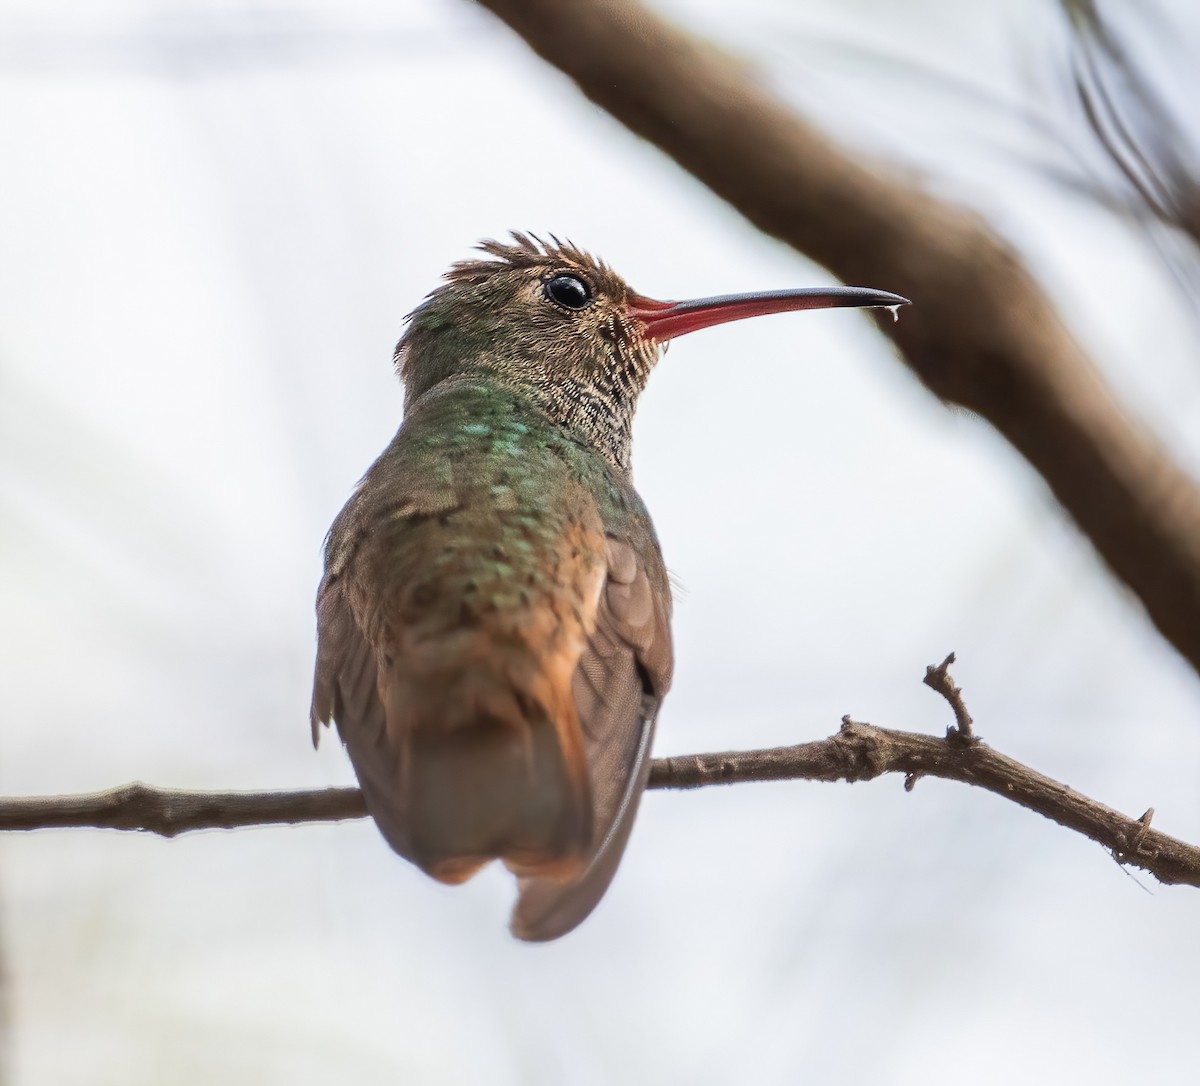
<point x="599" y="406"/>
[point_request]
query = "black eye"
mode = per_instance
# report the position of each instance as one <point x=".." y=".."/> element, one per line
<point x="568" y="291"/>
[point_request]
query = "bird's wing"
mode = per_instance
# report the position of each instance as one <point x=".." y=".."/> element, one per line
<point x="621" y="678"/>
<point x="344" y="684"/>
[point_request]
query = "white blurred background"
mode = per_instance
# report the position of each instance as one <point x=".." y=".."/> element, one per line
<point x="213" y="216"/>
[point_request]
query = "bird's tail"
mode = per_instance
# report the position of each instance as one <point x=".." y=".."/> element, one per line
<point x="458" y="777"/>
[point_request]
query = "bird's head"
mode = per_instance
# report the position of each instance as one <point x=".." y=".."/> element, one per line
<point x="555" y="323"/>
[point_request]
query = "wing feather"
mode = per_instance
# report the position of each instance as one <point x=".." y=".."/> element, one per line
<point x="620" y="681"/>
<point x="345" y="681"/>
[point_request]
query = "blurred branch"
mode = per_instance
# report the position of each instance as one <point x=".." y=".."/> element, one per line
<point x="1132" y="123"/>
<point x="858" y="752"/>
<point x="982" y="333"/>
<point x="1153" y="175"/>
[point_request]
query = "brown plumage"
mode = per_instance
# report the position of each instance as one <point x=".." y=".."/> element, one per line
<point x="494" y="620"/>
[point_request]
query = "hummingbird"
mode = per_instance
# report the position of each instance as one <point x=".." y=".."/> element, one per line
<point x="494" y="619"/>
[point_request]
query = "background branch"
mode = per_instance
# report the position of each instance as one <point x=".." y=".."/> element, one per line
<point x="982" y="333"/>
<point x="858" y="752"/>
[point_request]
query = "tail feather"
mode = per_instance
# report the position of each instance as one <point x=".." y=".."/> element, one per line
<point x="466" y="779"/>
<point x="549" y="906"/>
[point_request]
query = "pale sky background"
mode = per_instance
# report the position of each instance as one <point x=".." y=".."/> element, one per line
<point x="213" y="217"/>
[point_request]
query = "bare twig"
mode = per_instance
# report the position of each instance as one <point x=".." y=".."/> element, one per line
<point x="938" y="678"/>
<point x="169" y="812"/>
<point x="858" y="752"/>
<point x="982" y="333"/>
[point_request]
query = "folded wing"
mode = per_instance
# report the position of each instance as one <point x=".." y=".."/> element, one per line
<point x="621" y="678"/>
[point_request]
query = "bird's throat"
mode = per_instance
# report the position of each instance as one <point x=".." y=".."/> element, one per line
<point x="595" y="413"/>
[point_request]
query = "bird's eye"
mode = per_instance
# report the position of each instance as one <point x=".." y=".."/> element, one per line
<point x="569" y="291"/>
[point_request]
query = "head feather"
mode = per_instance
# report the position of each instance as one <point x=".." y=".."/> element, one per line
<point x="527" y="250"/>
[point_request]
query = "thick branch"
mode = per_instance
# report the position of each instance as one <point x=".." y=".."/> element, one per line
<point x="981" y="332"/>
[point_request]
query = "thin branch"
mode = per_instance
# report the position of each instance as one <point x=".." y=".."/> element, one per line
<point x="1132" y="122"/>
<point x="169" y="812"/>
<point x="982" y="333"/>
<point x="938" y="678"/>
<point x="1151" y="155"/>
<point x="857" y="752"/>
